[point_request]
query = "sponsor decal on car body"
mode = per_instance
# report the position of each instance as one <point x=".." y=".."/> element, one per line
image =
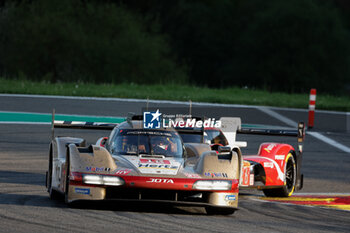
<point x="270" y="147"/>
<point x="159" y="166"/>
<point x="268" y="164"/>
<point x="230" y="197"/>
<point x="189" y="175"/>
<point x="155" y="161"/>
<point x="156" y="166"/>
<point x="216" y="174"/>
<point x="155" y="180"/>
<point x="251" y="180"/>
<point x="82" y="191"/>
<point x="245" y="176"/>
<point x="279" y="157"/>
<point x="123" y="172"/>
<point x="98" y="169"/>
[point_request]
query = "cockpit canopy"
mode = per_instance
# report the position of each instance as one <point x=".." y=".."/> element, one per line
<point x="146" y="142"/>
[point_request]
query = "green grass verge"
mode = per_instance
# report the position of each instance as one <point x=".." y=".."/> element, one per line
<point x="232" y="95"/>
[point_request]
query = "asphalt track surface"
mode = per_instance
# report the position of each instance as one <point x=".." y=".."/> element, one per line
<point x="26" y="207"/>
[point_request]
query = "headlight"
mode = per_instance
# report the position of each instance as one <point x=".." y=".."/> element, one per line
<point x="213" y="185"/>
<point x="112" y="180"/>
<point x="103" y="180"/>
<point x="92" y="179"/>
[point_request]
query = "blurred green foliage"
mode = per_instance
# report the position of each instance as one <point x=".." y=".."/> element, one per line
<point x="67" y="40"/>
<point x="275" y="45"/>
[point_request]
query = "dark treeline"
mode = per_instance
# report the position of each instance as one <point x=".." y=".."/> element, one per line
<point x="73" y="40"/>
<point x="277" y="45"/>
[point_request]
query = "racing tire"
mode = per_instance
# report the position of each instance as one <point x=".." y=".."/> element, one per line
<point x="70" y="204"/>
<point x="53" y="194"/>
<point x="219" y="210"/>
<point x="66" y="190"/>
<point x="290" y="180"/>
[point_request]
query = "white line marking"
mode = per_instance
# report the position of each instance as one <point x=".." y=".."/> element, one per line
<point x="306" y="110"/>
<point x="165" y="102"/>
<point x="264" y="109"/>
<point x="317" y="135"/>
<point x="278" y="116"/>
<point x="329" y="141"/>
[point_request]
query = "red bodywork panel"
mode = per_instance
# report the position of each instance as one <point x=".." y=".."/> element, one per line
<point x="167" y="183"/>
<point x="272" y="156"/>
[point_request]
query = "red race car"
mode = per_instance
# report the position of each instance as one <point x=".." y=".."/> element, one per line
<point x="275" y="169"/>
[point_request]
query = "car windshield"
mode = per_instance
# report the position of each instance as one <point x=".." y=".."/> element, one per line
<point x="147" y="142"/>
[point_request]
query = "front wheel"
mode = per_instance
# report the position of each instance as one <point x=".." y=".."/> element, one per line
<point x="289" y="183"/>
<point x="53" y="194"/>
<point x="219" y="210"/>
<point x="67" y="172"/>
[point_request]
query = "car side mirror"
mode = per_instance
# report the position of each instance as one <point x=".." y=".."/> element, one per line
<point x="104" y="141"/>
<point x="224" y="149"/>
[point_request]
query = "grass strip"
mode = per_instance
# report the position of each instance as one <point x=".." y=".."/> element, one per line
<point x="42" y="117"/>
<point x="232" y="95"/>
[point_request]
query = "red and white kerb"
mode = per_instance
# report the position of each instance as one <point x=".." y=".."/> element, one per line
<point x="312" y="106"/>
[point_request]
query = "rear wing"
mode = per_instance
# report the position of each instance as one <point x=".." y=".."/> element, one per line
<point x="232" y="126"/>
<point x="193" y="131"/>
<point x="79" y="125"/>
<point x="299" y="133"/>
<point x="83" y="125"/>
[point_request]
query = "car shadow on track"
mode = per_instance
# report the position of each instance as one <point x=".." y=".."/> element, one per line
<point x="119" y="206"/>
<point x="135" y="206"/>
<point x="21" y="196"/>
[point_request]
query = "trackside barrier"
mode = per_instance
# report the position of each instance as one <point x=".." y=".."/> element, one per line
<point x="312" y="106"/>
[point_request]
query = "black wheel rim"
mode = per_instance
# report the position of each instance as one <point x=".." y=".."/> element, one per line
<point x="290" y="174"/>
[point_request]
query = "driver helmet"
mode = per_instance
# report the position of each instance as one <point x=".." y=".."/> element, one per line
<point x="161" y="142"/>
